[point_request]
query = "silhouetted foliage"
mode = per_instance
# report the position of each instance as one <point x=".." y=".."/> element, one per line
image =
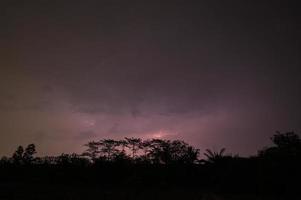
<point x="92" y="151"/>
<point x="287" y="145"/>
<point x="214" y="156"/>
<point x="108" y="148"/>
<point x="71" y="160"/>
<point x="29" y="153"/>
<point x="151" y="163"/>
<point x="18" y="155"/>
<point x="26" y="156"/>
<point x="152" y="151"/>
<point x="286" y="140"/>
<point x="134" y="144"/>
<point x="167" y="152"/>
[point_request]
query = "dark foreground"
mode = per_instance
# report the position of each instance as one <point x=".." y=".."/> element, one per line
<point x="150" y="182"/>
<point x="77" y="192"/>
<point x="162" y="170"/>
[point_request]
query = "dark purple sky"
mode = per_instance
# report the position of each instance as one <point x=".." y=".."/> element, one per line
<point x="213" y="73"/>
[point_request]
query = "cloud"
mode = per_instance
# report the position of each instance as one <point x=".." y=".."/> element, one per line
<point x="86" y="135"/>
<point x="198" y="71"/>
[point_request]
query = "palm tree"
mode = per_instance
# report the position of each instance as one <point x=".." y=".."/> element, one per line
<point x="214" y="156"/>
<point x="191" y="155"/>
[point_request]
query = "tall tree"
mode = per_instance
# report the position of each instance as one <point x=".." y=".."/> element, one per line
<point x="146" y="148"/>
<point x="167" y="152"/>
<point x="134" y="144"/>
<point x="29" y="153"/>
<point x="160" y="151"/>
<point x="18" y="155"/>
<point x="92" y="151"/>
<point x="108" y="148"/>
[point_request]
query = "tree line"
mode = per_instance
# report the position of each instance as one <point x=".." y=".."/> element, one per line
<point x="132" y="150"/>
<point x="133" y="162"/>
<point x="153" y="151"/>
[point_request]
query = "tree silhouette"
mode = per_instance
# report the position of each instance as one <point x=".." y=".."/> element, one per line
<point x="214" y="156"/>
<point x="92" y="151"/>
<point x="286" y="140"/>
<point x="191" y="155"/>
<point x="134" y="144"/>
<point x="171" y="162"/>
<point x="108" y="148"/>
<point x="18" y="155"/>
<point x="158" y="151"/>
<point x="29" y="153"/>
<point x="286" y="145"/>
<point x="71" y="160"/>
<point x="182" y="152"/>
<point x="122" y="144"/>
<point x="166" y="151"/>
<point x="145" y="146"/>
<point x="5" y="160"/>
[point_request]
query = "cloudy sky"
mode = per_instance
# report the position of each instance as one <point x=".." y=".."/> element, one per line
<point x="213" y="73"/>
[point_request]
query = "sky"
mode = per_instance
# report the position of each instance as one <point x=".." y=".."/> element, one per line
<point x="212" y="73"/>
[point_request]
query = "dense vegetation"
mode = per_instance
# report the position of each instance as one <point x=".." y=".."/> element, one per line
<point x="136" y="165"/>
